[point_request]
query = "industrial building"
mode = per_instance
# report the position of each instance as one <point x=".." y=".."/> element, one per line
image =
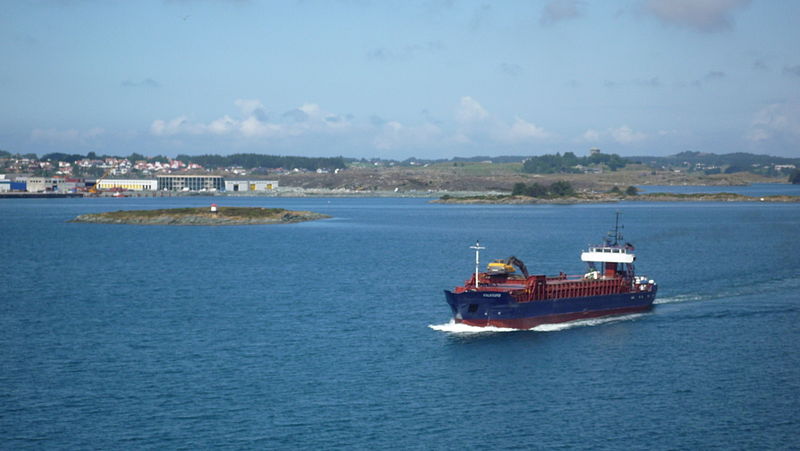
<point x="128" y="184"/>
<point x="160" y="183"/>
<point x="233" y="186"/>
<point x="190" y="183"/>
<point x="53" y="184"/>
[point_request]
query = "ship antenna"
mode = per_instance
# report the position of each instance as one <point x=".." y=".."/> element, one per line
<point x="477" y="248"/>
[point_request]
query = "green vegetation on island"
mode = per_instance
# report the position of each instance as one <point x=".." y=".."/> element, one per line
<point x="556" y="189"/>
<point x="569" y="163"/>
<point x="202" y="216"/>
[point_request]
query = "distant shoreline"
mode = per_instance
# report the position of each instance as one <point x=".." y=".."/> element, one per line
<point x="39" y="195"/>
<point x="605" y="198"/>
<point x="437" y="196"/>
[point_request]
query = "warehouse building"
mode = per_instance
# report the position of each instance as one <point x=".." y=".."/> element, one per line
<point x="190" y="183"/>
<point x="128" y="184"/>
<point x="233" y="186"/>
<point x="53" y="184"/>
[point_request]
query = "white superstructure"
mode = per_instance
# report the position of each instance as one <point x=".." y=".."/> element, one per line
<point x="607" y="254"/>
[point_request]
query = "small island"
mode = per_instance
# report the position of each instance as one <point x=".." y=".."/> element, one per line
<point x="202" y="216"/>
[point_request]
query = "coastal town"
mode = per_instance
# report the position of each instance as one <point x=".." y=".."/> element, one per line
<point x="117" y="175"/>
<point x="92" y="175"/>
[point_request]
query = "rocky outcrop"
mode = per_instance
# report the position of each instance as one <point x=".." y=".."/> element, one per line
<point x="202" y="216"/>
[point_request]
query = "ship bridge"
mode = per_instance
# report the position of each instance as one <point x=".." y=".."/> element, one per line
<point x="607" y="254"/>
<point x="614" y="261"/>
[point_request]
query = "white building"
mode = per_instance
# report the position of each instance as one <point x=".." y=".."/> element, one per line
<point x="250" y="185"/>
<point x="51" y="184"/>
<point x="190" y="183"/>
<point x="128" y="184"/>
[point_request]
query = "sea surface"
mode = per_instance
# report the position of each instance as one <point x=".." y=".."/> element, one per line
<point x="335" y="334"/>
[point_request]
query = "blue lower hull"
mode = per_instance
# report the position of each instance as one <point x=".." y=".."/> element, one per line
<point x="482" y="308"/>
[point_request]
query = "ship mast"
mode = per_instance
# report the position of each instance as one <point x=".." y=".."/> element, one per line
<point x="614" y="234"/>
<point x="477" y="248"/>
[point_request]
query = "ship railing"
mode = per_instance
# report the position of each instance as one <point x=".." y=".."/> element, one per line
<point x="589" y="287"/>
<point x="566" y="278"/>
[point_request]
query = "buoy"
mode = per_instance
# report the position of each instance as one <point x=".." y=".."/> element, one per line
<point x="213" y="208"/>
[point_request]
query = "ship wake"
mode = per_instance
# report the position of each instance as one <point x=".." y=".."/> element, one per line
<point x="458" y="328"/>
<point x="586" y="323"/>
<point x="748" y="288"/>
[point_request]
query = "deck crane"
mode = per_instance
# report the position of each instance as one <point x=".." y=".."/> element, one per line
<point x="95" y="190"/>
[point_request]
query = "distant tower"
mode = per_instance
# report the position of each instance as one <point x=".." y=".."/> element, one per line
<point x="594" y="151"/>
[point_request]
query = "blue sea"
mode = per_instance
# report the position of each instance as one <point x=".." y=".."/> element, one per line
<point x="335" y="334"/>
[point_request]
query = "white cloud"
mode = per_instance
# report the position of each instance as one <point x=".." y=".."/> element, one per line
<point x="252" y="127"/>
<point x="591" y="135"/>
<point x="622" y="135"/>
<point x="476" y="125"/>
<point x="700" y="15"/>
<point x="469" y="110"/>
<point x="394" y="135"/>
<point x="178" y="126"/>
<point x="249" y="107"/>
<point x="222" y="125"/>
<point x="625" y="135"/>
<point x="521" y="130"/>
<point x="471" y="124"/>
<point x="311" y="109"/>
<point x="52" y="135"/>
<point x="775" y="121"/>
<point x="254" y="123"/>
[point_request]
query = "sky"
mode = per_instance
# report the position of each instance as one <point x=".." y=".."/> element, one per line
<point x="399" y="79"/>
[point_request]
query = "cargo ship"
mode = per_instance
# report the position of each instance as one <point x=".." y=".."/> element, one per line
<point x="500" y="297"/>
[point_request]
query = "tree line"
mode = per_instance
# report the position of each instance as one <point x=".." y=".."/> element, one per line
<point x="553" y="164"/>
<point x="252" y="160"/>
<point x="556" y="189"/>
<point x="794" y="177"/>
<point x="245" y="160"/>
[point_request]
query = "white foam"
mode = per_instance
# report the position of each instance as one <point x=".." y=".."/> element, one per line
<point x="460" y="328"/>
<point x="679" y="298"/>
<point x="748" y="289"/>
<point x="585" y="323"/>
